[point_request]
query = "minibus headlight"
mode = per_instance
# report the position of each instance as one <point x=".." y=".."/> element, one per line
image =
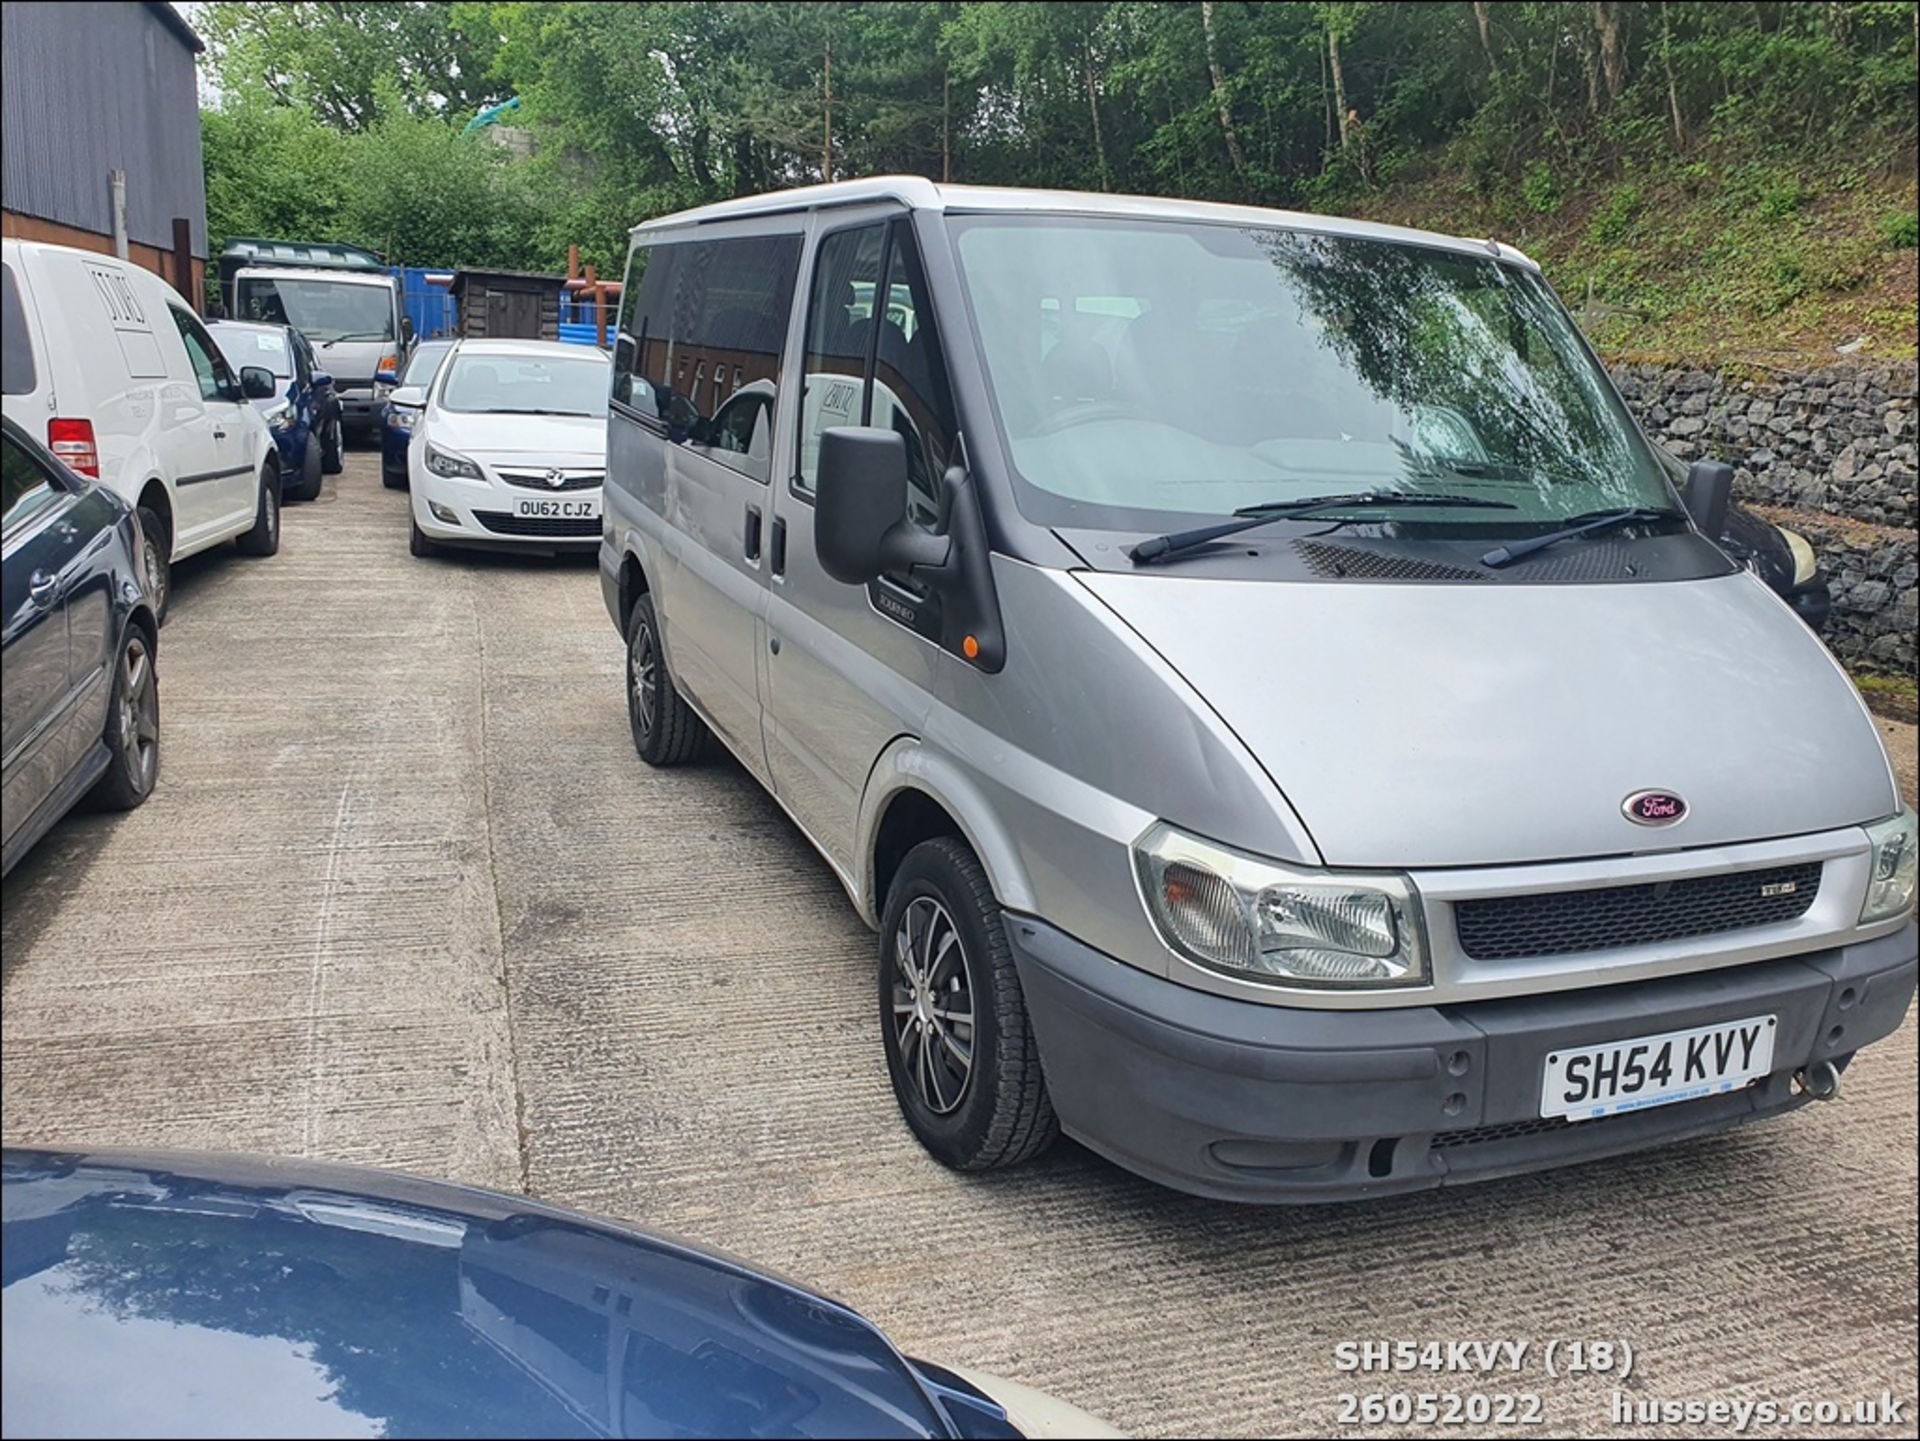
<point x="1895" y="864"/>
<point x="452" y="467"/>
<point x="1279" y="924"/>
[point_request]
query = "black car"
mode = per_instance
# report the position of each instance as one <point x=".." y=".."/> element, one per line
<point x="1783" y="559"/>
<point x="81" y="698"/>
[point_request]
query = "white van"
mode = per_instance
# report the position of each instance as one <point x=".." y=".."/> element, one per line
<point x="105" y="363"/>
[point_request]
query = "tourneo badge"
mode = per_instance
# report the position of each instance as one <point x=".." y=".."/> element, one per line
<point x="1653" y="808"/>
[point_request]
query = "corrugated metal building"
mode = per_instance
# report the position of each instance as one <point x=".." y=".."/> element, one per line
<point x="89" y="89"/>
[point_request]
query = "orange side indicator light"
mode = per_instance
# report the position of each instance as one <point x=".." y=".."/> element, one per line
<point x="970" y="648"/>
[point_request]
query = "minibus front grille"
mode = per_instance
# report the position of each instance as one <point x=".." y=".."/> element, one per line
<point x="549" y="527"/>
<point x="1558" y="923"/>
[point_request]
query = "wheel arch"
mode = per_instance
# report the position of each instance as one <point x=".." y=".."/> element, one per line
<point x="914" y="794"/>
<point x="155" y="496"/>
<point x="633" y="583"/>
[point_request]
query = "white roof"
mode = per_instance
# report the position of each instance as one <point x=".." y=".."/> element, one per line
<point x="302" y="272"/>
<point x="918" y="193"/>
<point x="548" y="348"/>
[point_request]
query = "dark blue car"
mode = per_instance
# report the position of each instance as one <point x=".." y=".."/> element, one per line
<point x="200" y="1295"/>
<point x="81" y="698"/>
<point x="396" y="421"/>
<point x="301" y="410"/>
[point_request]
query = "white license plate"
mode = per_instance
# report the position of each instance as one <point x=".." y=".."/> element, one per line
<point x="558" y="509"/>
<point x="1657" y="1070"/>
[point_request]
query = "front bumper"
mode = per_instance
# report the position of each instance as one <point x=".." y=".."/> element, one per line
<point x="394" y="442"/>
<point x="484" y="516"/>
<point x="1243" y="1101"/>
<point x="1812" y="602"/>
<point x="359" y="408"/>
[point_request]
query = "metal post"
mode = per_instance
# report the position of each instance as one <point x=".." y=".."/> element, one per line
<point x="117" y="183"/>
<point x="183" y="265"/>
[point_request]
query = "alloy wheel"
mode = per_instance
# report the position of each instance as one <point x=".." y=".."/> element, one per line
<point x="156" y="572"/>
<point x="932" y="1005"/>
<point x="139" y="714"/>
<point x="644" y="678"/>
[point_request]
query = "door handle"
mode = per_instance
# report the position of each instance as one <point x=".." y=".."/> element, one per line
<point x="750" y="541"/>
<point x="219" y="434"/>
<point x="41" y="588"/>
<point x="777" y="561"/>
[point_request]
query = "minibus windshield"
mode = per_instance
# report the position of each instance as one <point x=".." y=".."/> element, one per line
<point x="1148" y="370"/>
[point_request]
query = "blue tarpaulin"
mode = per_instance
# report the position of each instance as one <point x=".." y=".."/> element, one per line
<point x="429" y="306"/>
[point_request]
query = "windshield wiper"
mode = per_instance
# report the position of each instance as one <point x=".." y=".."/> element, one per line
<point x="362" y="335"/>
<point x="1587" y="524"/>
<point x="516" y="410"/>
<point x="1165" y="547"/>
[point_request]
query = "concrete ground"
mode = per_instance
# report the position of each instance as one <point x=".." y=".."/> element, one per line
<point x="406" y="896"/>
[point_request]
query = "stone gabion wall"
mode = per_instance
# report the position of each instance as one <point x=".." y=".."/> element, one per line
<point x="1836" y="448"/>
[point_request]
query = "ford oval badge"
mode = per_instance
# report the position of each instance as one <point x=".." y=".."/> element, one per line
<point x="1654" y="808"/>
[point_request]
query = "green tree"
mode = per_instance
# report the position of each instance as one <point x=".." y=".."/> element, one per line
<point x="333" y="58"/>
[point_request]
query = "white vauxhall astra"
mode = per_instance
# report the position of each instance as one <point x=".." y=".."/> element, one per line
<point x="510" y="450"/>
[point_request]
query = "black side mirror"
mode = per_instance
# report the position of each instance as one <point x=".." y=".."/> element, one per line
<point x="860" y="526"/>
<point x="1709" y="493"/>
<point x="256" y="382"/>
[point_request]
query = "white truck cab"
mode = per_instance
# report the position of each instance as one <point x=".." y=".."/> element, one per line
<point x="341" y="298"/>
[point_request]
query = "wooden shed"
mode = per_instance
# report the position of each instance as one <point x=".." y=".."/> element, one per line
<point x="507" y="304"/>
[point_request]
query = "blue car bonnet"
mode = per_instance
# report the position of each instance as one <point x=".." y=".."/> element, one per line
<point x="198" y="1294"/>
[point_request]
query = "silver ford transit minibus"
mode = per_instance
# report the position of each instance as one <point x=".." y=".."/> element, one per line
<point x="1288" y="726"/>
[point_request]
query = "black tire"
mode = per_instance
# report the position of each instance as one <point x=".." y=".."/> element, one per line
<point x="156" y="558"/>
<point x="331" y="459"/>
<point x="393" y="479"/>
<point x="666" y="732"/>
<point x="264" y="537"/>
<point x="133" y="727"/>
<point x="310" y="470"/>
<point x="417" y="541"/>
<point x="995" y="1111"/>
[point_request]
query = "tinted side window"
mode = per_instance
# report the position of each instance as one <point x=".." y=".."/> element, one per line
<point x="24" y="486"/>
<point x="702" y="324"/>
<point x="873" y="357"/>
<point x="910" y="392"/>
<point x="16" y="353"/>
<point x="302" y="360"/>
<point x="846" y="275"/>
<point x="642" y="340"/>
<point x="209" y="366"/>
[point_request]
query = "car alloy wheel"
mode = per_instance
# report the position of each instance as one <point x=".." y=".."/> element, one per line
<point x="139" y="714"/>
<point x="933" y="1005"/>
